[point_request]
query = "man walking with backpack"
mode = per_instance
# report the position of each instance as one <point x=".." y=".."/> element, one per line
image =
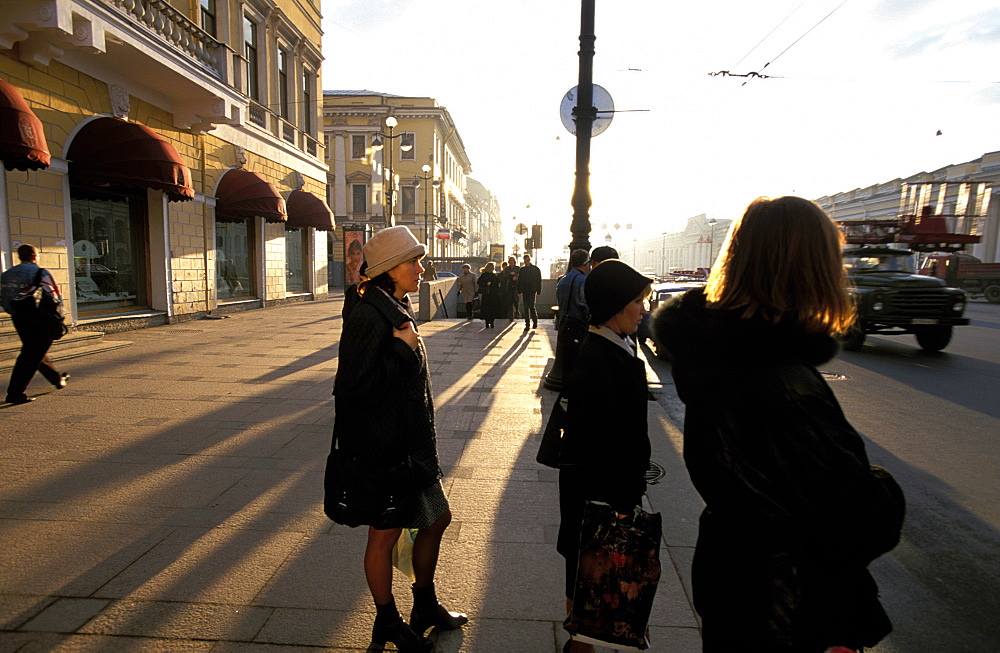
<point x="18" y="286"/>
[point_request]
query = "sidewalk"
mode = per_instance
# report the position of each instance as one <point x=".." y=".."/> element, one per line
<point x="171" y="497"/>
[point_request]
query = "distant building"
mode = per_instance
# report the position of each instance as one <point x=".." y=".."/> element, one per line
<point x="885" y="200"/>
<point x="485" y="222"/>
<point x="696" y="246"/>
<point x="167" y="162"/>
<point x="359" y="174"/>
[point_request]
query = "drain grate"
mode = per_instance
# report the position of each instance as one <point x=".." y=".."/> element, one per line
<point x="654" y="473"/>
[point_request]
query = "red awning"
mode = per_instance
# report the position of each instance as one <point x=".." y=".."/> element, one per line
<point x="114" y="153"/>
<point x="244" y="194"/>
<point x="307" y="210"/>
<point x="22" y="138"/>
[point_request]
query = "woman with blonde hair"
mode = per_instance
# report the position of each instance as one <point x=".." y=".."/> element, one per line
<point x="794" y="511"/>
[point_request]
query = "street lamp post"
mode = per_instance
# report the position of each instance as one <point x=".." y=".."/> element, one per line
<point x="584" y="115"/>
<point x="434" y="184"/>
<point x="377" y="145"/>
<point x="711" y="243"/>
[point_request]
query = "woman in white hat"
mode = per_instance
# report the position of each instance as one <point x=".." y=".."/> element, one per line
<point x="384" y="437"/>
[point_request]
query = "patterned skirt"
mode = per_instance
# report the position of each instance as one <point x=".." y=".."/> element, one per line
<point x="423" y="511"/>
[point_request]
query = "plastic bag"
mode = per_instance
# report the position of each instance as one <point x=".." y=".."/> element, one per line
<point x="402" y="552"/>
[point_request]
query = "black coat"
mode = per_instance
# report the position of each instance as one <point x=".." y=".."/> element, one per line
<point x="383" y="400"/>
<point x="604" y="451"/>
<point x="529" y="280"/>
<point x="492" y="297"/>
<point x="782" y="551"/>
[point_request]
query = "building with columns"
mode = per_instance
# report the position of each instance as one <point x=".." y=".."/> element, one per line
<point x="164" y="154"/>
<point x="424" y="157"/>
<point x="948" y="191"/>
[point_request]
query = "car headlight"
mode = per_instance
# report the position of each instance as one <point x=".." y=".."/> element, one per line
<point x="878" y="301"/>
<point x="959" y="305"/>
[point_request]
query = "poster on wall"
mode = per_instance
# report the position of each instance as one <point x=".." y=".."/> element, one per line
<point x="496" y="253"/>
<point x="354" y="241"/>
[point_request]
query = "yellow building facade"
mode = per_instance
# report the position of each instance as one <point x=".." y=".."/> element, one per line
<point x="183" y="171"/>
<point x="424" y="156"/>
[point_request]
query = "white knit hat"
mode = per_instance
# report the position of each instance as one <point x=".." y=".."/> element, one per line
<point x="390" y="247"/>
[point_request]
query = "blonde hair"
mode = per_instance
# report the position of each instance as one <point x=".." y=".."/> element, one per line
<point x="782" y="262"/>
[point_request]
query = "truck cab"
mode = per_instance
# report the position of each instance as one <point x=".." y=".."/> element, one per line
<point x="892" y="299"/>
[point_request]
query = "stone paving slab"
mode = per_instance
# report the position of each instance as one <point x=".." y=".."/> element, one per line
<point x="170" y="499"/>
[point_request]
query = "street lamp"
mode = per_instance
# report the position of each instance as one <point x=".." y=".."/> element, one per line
<point x="711" y="243"/>
<point x="434" y="184"/>
<point x="391" y="123"/>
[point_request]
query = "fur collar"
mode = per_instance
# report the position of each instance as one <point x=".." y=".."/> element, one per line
<point x="685" y="325"/>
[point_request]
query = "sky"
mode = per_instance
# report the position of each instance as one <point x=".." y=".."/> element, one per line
<point x="855" y="95"/>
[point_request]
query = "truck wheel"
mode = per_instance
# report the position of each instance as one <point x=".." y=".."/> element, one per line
<point x="992" y="294"/>
<point x="934" y="339"/>
<point x="853" y="339"/>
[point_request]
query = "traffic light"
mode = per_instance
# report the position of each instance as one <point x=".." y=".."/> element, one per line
<point x="536" y="236"/>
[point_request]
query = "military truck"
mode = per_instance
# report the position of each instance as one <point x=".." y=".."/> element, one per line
<point x="892" y="299"/>
<point x="967" y="272"/>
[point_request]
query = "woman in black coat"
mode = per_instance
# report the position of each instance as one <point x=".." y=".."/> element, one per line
<point x="604" y="451"/>
<point x="792" y="505"/>
<point x="385" y="425"/>
<point x="491" y="296"/>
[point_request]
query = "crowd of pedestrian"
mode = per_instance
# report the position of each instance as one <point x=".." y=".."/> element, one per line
<point x="794" y="512"/>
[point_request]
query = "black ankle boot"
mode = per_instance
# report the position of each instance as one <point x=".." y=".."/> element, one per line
<point x="390" y="627"/>
<point x="427" y="612"/>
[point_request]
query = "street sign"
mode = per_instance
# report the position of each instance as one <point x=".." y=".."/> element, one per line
<point x="444" y="234"/>
<point x="521" y="229"/>
<point x="602" y="102"/>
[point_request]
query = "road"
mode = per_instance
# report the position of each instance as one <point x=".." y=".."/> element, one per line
<point x="933" y="420"/>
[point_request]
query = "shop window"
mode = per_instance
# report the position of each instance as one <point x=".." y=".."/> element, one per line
<point x="296" y="255"/>
<point x="234" y="259"/>
<point x="109" y="253"/>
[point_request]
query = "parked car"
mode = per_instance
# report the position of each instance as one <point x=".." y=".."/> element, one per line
<point x="661" y="293"/>
<point x="446" y="275"/>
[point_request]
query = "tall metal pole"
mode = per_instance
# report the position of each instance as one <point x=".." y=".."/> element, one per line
<point x="585" y="114"/>
<point x="389" y="221"/>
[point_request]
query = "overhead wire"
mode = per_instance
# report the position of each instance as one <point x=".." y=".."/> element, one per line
<point x="758" y="73"/>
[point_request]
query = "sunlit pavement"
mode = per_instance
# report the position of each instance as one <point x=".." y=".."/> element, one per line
<point x="171" y="497"/>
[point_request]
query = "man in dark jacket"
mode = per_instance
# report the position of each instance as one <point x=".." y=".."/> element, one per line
<point x="573" y="313"/>
<point x="529" y="286"/>
<point x="19" y="286"/>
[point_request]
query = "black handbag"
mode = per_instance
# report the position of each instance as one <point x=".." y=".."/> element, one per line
<point x="548" y="450"/>
<point x="356" y="493"/>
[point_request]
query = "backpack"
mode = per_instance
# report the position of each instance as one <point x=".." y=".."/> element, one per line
<point x="47" y="314"/>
